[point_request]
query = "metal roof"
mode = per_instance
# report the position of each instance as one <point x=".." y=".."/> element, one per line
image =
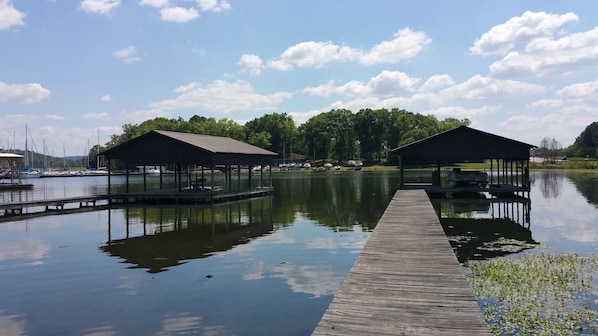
<point x="464" y="143"/>
<point x="164" y="147"/>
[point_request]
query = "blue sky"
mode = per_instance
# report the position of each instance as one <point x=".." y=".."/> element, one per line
<point x="76" y="70"/>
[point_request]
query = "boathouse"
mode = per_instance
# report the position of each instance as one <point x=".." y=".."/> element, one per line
<point x="203" y="167"/>
<point x="506" y="162"/>
<point x="10" y="172"/>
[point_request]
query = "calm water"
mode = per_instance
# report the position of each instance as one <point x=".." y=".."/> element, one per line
<point x="268" y="266"/>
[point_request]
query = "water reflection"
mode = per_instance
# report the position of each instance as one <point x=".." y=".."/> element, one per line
<point x="549" y="183"/>
<point x="12" y="324"/>
<point x="172" y="235"/>
<point x="482" y="227"/>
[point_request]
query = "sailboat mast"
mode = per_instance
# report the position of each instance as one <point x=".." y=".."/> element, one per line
<point x="26" y="153"/>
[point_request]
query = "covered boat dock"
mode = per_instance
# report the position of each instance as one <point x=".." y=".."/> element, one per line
<point x="507" y="172"/>
<point x="195" y="160"/>
<point x="10" y="172"/>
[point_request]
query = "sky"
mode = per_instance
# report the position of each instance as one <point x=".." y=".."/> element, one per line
<point x="74" y="72"/>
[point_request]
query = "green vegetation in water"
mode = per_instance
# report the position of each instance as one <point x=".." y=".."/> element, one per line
<point x="538" y="294"/>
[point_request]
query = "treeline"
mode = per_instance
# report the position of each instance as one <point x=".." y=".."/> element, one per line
<point x="337" y="135"/>
<point x="586" y="144"/>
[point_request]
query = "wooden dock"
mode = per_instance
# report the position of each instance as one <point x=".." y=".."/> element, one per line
<point x="406" y="281"/>
<point x="33" y="208"/>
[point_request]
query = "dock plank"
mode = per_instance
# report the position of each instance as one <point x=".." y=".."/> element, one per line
<point x="406" y="281"/>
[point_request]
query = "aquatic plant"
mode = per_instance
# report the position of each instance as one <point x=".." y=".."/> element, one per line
<point x="537" y="294"/>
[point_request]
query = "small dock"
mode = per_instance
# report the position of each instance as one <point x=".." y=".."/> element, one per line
<point x="33" y="208"/>
<point x="406" y="281"/>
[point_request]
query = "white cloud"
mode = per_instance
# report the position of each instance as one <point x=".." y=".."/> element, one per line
<point x="437" y="82"/>
<point x="575" y="53"/>
<point x="392" y="82"/>
<point x="10" y="16"/>
<point x="502" y="38"/>
<point x="406" y="44"/>
<point x="546" y="104"/>
<point x="96" y="116"/>
<point x="140" y="116"/>
<point x="106" y="98"/>
<point x="461" y="112"/>
<point x="323" y="90"/>
<point x="222" y="97"/>
<point x="154" y="3"/>
<point x="213" y="5"/>
<point x="178" y="14"/>
<point x="99" y="6"/>
<point x="479" y="87"/>
<point x="386" y="83"/>
<point x="23" y="93"/>
<point x="588" y="90"/>
<point x="128" y="54"/>
<point x="54" y="117"/>
<point x="252" y="63"/>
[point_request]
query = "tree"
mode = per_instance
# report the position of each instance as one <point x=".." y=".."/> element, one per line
<point x="586" y="144"/>
<point x="549" y="150"/>
<point x="279" y="126"/>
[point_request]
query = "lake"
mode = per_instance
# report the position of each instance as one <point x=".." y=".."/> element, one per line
<point x="267" y="266"/>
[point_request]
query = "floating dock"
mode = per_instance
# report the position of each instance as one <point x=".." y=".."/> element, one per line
<point x="41" y="207"/>
<point x="406" y="281"/>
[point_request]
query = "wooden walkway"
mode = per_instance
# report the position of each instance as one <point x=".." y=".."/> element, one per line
<point x="406" y="281"/>
<point x="33" y="208"/>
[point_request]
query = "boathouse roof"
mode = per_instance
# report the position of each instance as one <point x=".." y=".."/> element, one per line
<point x="464" y="143"/>
<point x="164" y="147"/>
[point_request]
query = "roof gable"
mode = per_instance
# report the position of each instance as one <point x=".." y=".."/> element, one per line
<point x="464" y="143"/>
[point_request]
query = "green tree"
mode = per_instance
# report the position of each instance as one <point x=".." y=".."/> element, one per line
<point x="586" y="144"/>
<point x="281" y="128"/>
<point x="316" y="136"/>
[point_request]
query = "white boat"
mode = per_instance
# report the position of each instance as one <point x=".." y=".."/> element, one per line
<point x="31" y="173"/>
<point x="460" y="178"/>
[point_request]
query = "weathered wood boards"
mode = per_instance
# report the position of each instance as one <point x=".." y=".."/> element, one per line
<point x="406" y="281"/>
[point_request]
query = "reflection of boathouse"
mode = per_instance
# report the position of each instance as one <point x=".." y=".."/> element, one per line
<point x="194" y="160"/>
<point x="508" y="160"/>
<point x="158" y="238"/>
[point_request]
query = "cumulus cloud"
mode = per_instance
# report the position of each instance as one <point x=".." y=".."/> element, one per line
<point x="96" y="116"/>
<point x="462" y="112"/>
<point x="502" y="38"/>
<point x="213" y="5"/>
<point x="10" y="16"/>
<point x="178" y="14"/>
<point x="386" y="83"/>
<point x="106" y="98"/>
<point x="172" y="13"/>
<point x="102" y="7"/>
<point x="479" y="87"/>
<point x="546" y="56"/>
<point x="406" y="44"/>
<point x="546" y="104"/>
<point x="23" y="93"/>
<point x="251" y="63"/>
<point x="221" y="97"/>
<point x="311" y="54"/>
<point x="437" y="82"/>
<point x="54" y="117"/>
<point x="587" y="90"/>
<point x="154" y="3"/>
<point x="128" y="54"/>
